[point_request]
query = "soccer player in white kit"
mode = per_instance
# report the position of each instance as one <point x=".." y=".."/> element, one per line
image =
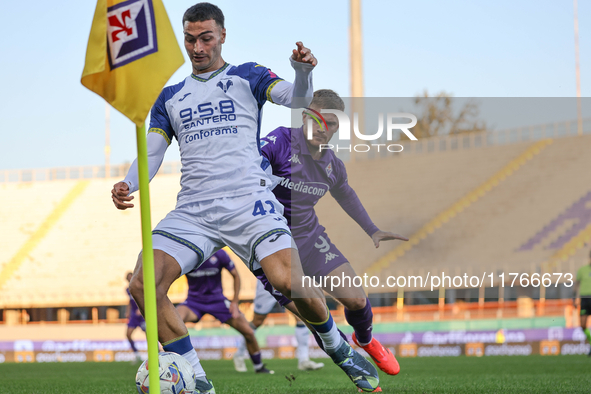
<point x="215" y="116"/>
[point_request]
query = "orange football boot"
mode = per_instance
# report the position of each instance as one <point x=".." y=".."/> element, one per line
<point x="383" y="357"/>
<point x="377" y="390"/>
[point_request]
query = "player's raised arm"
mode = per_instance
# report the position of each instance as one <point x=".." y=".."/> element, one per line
<point x="302" y="89"/>
<point x="236" y="299"/>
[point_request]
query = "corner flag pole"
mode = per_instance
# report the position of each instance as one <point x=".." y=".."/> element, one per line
<point x="148" y="260"/>
<point x="131" y="85"/>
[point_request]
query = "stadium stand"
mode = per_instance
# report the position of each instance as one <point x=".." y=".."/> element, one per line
<point x="78" y="246"/>
<point x="521" y="206"/>
<point x="469" y="211"/>
<point x="37" y="201"/>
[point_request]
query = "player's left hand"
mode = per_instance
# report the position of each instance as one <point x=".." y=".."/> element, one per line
<point x="234" y="310"/>
<point x="385" y="236"/>
<point x="303" y="54"/>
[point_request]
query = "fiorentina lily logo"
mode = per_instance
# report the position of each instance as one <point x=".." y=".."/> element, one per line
<point x="131" y="32"/>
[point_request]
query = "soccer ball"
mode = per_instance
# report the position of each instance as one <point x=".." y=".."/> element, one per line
<point x="176" y="375"/>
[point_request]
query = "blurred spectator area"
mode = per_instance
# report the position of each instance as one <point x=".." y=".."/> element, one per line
<point x="521" y="206"/>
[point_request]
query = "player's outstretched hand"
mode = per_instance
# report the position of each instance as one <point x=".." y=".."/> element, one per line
<point x="303" y="54"/>
<point x="120" y="197"/>
<point x="385" y="236"/>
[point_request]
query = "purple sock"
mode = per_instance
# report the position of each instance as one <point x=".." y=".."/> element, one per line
<point x="319" y="341"/>
<point x="256" y="359"/>
<point x="132" y="343"/>
<point x="361" y="321"/>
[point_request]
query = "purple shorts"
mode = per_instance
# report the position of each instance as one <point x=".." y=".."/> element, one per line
<point x="281" y="299"/>
<point x="136" y="321"/>
<point x="320" y="258"/>
<point x="220" y="308"/>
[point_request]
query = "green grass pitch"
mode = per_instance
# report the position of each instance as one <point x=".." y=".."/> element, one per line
<point x="530" y="374"/>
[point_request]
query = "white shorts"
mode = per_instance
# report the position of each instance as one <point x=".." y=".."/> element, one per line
<point x="252" y="226"/>
<point x="264" y="302"/>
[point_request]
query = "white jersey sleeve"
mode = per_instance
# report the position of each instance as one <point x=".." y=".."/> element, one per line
<point x="157" y="145"/>
<point x="301" y="89"/>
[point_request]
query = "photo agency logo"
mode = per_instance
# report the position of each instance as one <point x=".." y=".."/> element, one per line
<point x="393" y="128"/>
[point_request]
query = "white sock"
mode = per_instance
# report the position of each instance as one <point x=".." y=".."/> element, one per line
<point x="302" y="335"/>
<point x="191" y="355"/>
<point x="242" y="351"/>
<point x="331" y="340"/>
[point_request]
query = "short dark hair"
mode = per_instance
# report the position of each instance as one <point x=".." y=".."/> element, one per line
<point x="203" y="12"/>
<point x="327" y="99"/>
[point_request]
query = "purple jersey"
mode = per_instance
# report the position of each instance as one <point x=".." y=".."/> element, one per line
<point x="205" y="282"/>
<point x="303" y="181"/>
<point x="132" y="305"/>
<point x="135" y="318"/>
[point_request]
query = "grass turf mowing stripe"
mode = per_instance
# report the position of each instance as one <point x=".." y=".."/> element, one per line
<point x="502" y="374"/>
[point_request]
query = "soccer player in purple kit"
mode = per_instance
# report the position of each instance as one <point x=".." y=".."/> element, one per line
<point x="206" y="296"/>
<point x="134" y="320"/>
<point x="306" y="173"/>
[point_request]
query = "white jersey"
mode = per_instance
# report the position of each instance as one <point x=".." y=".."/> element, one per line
<point x="216" y="121"/>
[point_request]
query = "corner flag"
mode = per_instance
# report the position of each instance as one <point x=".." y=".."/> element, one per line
<point x="132" y="52"/>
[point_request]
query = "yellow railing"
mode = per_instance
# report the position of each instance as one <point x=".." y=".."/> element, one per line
<point x="81" y="172"/>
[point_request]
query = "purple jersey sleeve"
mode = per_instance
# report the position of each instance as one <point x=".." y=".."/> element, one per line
<point x="276" y="147"/>
<point x="225" y="261"/>
<point x="348" y="200"/>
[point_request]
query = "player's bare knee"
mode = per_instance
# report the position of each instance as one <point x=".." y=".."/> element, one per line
<point x="355" y="304"/>
<point x="161" y="292"/>
<point x="284" y="286"/>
